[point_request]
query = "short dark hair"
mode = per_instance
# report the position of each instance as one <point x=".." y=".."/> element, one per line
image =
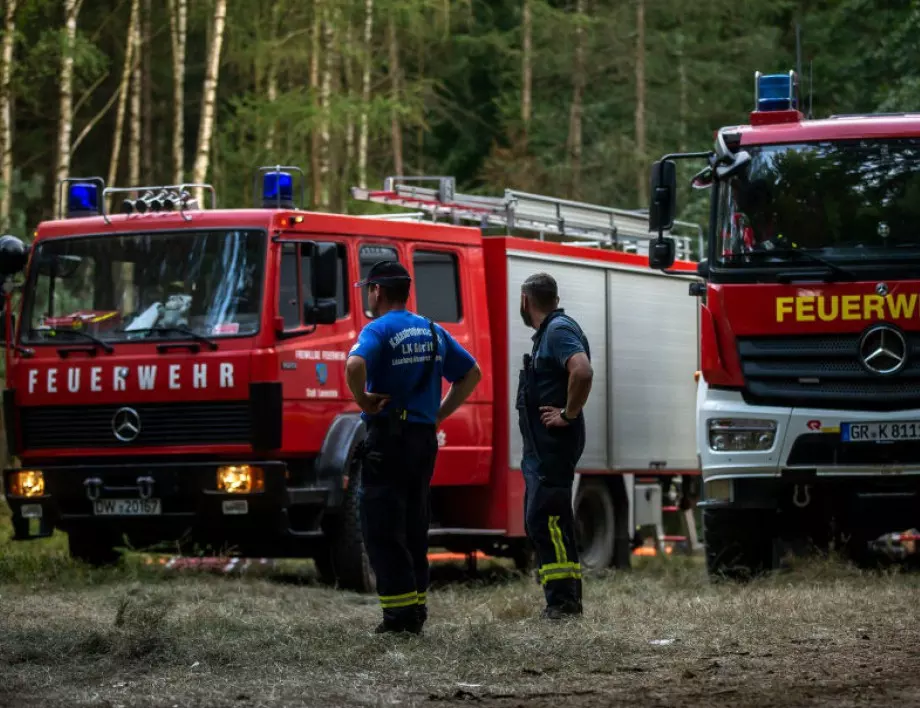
<point x="397" y="293"/>
<point x="542" y="289"/>
<point x="392" y="278"/>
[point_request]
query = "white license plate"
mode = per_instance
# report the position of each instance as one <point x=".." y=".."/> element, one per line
<point x="127" y="507"/>
<point x="880" y="432"/>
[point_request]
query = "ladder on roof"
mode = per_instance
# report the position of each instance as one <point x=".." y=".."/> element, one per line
<point x="589" y="224"/>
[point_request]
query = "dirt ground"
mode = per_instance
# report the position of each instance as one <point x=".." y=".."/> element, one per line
<point x="659" y="635"/>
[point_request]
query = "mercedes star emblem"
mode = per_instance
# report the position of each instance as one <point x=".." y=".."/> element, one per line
<point x="882" y="288"/>
<point x="883" y="350"/>
<point x="126" y="424"/>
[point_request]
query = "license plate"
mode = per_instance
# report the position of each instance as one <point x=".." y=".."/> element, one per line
<point x="879" y="432"/>
<point x="126" y="507"/>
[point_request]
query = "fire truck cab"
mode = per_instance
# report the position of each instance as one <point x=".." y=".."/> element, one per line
<point x="808" y="406"/>
<point x="176" y="374"/>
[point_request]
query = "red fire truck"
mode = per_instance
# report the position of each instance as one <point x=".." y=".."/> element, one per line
<point x="176" y="373"/>
<point x="808" y="409"/>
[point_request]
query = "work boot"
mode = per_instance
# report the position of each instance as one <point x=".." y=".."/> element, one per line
<point x="564" y="611"/>
<point x="412" y="627"/>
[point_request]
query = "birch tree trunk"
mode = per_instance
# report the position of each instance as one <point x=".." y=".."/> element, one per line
<point x="271" y="89"/>
<point x="178" y="21"/>
<point x="365" y="92"/>
<point x="123" y="88"/>
<point x="683" y="102"/>
<point x="396" y="89"/>
<point x="65" y="128"/>
<point x="527" y="70"/>
<point x="6" y="115"/>
<point x="326" y="97"/>
<point x="209" y="98"/>
<point x="134" y="143"/>
<point x="640" y="104"/>
<point x="315" y="168"/>
<point x="575" y="114"/>
<point x="350" y="117"/>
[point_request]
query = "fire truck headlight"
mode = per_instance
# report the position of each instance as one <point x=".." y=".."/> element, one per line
<point x="741" y="435"/>
<point x="240" y="479"/>
<point x="27" y="483"/>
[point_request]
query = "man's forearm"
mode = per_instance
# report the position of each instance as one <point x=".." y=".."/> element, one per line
<point x="356" y="378"/>
<point x="578" y="391"/>
<point x="458" y="392"/>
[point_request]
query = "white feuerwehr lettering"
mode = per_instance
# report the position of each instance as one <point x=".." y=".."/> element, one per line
<point x="143" y="377"/>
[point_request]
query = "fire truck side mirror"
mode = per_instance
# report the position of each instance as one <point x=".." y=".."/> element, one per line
<point x="14" y="255"/>
<point x="323" y="311"/>
<point x="325" y="271"/>
<point x="663" y="193"/>
<point x="737" y="162"/>
<point x="661" y="253"/>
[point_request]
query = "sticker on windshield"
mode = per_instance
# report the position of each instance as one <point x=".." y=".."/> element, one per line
<point x="226" y="328"/>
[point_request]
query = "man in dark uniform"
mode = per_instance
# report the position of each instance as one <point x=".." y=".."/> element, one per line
<point x="394" y="372"/>
<point x="553" y="387"/>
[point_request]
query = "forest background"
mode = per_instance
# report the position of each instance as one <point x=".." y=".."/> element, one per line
<point x="573" y="98"/>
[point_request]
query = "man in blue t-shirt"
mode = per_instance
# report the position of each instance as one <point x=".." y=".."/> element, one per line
<point x="394" y="372"/>
<point x="553" y="388"/>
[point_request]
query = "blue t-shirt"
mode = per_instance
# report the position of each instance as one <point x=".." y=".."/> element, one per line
<point x="396" y="347"/>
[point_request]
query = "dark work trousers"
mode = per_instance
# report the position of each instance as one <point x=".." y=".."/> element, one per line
<point x="395" y="515"/>
<point x="550" y="525"/>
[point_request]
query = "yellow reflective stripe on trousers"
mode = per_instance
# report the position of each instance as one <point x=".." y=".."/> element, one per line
<point x="422" y="598"/>
<point x="555" y="534"/>
<point x="389" y="602"/>
<point x="559" y="571"/>
<point x="562" y="575"/>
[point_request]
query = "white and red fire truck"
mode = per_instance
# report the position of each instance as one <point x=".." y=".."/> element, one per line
<point x="808" y="408"/>
<point x="176" y="373"/>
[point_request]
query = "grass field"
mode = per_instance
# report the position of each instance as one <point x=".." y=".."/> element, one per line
<point x="660" y="635"/>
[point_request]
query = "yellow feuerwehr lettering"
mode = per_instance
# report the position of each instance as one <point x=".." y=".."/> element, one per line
<point x="850" y="307"/>
<point x="805" y="308"/>
<point x="784" y="306"/>
<point x="873" y="305"/>
<point x="833" y="313"/>
<point x="902" y="306"/>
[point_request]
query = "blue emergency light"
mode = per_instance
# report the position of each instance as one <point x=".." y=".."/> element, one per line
<point x="776" y="92"/>
<point x="278" y="190"/>
<point x="82" y="200"/>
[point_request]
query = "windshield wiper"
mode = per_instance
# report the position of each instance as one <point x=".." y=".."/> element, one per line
<point x="808" y="255"/>
<point x="108" y="348"/>
<point x="179" y="330"/>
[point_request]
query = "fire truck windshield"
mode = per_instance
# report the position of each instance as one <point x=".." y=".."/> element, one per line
<point x="854" y="201"/>
<point x="134" y="286"/>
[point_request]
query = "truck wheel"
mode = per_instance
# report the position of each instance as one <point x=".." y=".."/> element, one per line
<point x="524" y="557"/>
<point x="93" y="547"/>
<point x="594" y="523"/>
<point x="346" y="563"/>
<point x="739" y="543"/>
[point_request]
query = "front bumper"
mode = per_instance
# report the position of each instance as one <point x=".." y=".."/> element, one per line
<point x="190" y="503"/>
<point x="807" y="451"/>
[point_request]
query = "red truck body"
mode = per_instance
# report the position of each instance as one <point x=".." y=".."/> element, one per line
<point x="162" y="417"/>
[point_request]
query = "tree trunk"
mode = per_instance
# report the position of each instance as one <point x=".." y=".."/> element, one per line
<point x="641" y="172"/>
<point x="396" y="89"/>
<point x="209" y="99"/>
<point x="6" y="115"/>
<point x="350" y="117"/>
<point x="578" y="89"/>
<point x="134" y="144"/>
<point x="683" y="101"/>
<point x="71" y="12"/>
<point x="365" y="92"/>
<point x="527" y="70"/>
<point x="178" y="21"/>
<point x="271" y="89"/>
<point x="326" y="137"/>
<point x="123" y="89"/>
<point x="315" y="168"/>
<point x="147" y="166"/>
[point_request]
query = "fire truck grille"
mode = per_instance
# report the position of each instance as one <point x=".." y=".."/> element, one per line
<point x="822" y="449"/>
<point x="824" y="371"/>
<point x="212" y="423"/>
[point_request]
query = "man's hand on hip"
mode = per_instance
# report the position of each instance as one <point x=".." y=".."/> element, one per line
<point x="372" y="403"/>
<point x="551" y="417"/>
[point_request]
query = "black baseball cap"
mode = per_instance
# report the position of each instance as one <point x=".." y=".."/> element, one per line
<point x="385" y="272"/>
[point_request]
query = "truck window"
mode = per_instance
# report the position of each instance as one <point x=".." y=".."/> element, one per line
<point x="291" y="304"/>
<point x="437" y="291"/>
<point x="367" y="256"/>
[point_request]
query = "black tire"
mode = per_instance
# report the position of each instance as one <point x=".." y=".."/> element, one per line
<point x="344" y="563"/>
<point x="594" y="524"/>
<point x="93" y="547"/>
<point x="524" y="557"/>
<point x="740" y="544"/>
